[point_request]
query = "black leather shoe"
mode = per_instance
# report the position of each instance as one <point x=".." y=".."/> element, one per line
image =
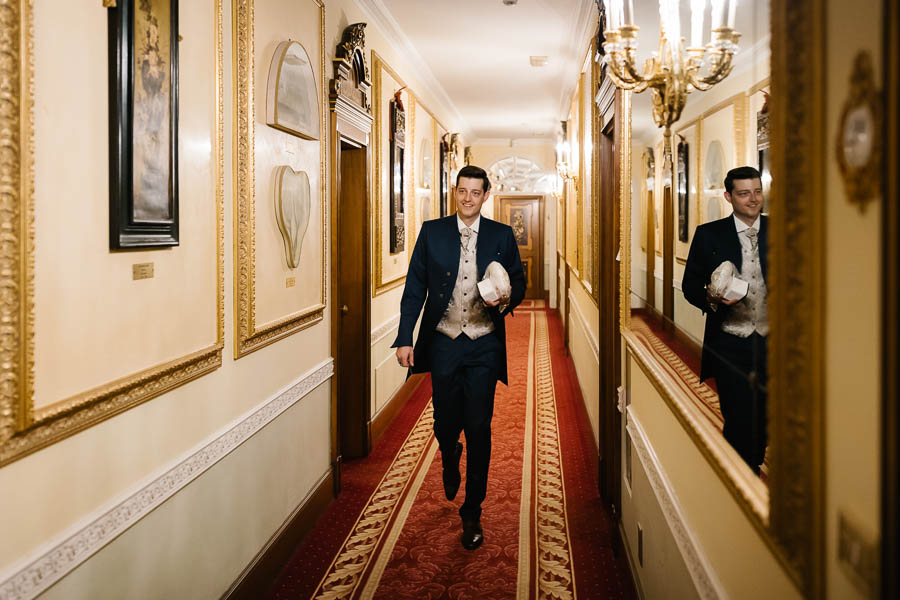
<point x="472" y="535"/>
<point x="451" y="475"/>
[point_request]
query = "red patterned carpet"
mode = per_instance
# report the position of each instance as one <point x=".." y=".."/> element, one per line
<point x="392" y="535"/>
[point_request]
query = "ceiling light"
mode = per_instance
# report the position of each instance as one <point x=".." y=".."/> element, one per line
<point x="510" y="2"/>
<point x="539" y="61"/>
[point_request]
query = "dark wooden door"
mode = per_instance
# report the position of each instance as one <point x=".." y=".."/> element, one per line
<point x="525" y="216"/>
<point x="352" y="352"/>
<point x="607" y="202"/>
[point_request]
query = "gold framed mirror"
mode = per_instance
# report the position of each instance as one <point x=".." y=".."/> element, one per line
<point x="787" y="507"/>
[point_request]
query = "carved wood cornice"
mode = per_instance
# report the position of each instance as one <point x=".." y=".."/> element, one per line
<point x="349" y="89"/>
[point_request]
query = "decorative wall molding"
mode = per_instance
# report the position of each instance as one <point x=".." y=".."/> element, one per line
<point x="35" y="574"/>
<point x="379" y="14"/>
<point x="591" y="337"/>
<point x="380" y="332"/>
<point x="699" y="568"/>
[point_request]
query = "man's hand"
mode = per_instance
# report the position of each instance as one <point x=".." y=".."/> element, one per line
<point x="502" y="300"/>
<point x="405" y="356"/>
<point x="713" y="299"/>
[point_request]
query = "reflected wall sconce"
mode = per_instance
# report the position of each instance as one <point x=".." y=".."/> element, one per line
<point x="674" y="69"/>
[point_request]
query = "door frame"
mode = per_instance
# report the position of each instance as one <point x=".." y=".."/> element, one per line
<point x="350" y="123"/>
<point x="499" y="201"/>
<point x="609" y="123"/>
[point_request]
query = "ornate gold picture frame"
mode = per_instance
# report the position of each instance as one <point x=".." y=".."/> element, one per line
<point x="249" y="335"/>
<point x="381" y="283"/>
<point x="24" y="429"/>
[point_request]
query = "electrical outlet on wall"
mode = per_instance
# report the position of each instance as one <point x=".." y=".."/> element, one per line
<point x="640" y="545"/>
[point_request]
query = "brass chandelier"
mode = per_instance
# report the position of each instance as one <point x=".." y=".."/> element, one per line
<point x="674" y="69"/>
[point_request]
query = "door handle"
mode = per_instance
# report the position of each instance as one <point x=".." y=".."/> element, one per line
<point x="345" y="309"/>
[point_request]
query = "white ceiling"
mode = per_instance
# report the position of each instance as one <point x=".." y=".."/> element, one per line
<point x="478" y="52"/>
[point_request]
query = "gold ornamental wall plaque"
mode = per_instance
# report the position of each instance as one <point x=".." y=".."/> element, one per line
<point x="859" y="139"/>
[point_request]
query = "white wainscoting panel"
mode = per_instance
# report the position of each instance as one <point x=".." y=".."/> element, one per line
<point x="54" y="560"/>
<point x="707" y="586"/>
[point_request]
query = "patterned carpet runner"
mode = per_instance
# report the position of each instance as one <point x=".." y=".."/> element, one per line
<point x="392" y="534"/>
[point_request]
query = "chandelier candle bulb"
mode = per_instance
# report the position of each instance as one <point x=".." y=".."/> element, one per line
<point x="698" y="7"/>
<point x="629" y="12"/>
<point x="732" y="12"/>
<point x="718" y="14"/>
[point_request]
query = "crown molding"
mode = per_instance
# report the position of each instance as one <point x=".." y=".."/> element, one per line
<point x="576" y="44"/>
<point x="378" y="13"/>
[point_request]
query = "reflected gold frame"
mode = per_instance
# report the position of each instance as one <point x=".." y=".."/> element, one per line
<point x="248" y="336"/>
<point x="379" y="66"/>
<point x="794" y="525"/>
<point x="24" y="430"/>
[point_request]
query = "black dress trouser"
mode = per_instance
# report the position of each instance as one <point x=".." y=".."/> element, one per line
<point x="464" y="377"/>
<point x="741" y="377"/>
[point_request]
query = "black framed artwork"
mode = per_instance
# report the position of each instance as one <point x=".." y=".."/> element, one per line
<point x="684" y="193"/>
<point x="143" y="124"/>
<point x="397" y="176"/>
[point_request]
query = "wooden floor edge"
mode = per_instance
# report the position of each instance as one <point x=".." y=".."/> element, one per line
<point x="265" y="567"/>
<point x="386" y="416"/>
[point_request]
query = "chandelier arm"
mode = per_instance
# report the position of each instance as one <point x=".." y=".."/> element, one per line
<point x="623" y="74"/>
<point x="721" y="71"/>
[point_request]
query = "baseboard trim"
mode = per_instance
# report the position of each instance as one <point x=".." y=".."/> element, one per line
<point x="386" y="416"/>
<point x="265" y="567"/>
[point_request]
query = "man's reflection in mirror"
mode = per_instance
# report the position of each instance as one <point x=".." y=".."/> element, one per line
<point x="725" y="277"/>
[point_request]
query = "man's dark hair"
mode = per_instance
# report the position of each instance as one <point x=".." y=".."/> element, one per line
<point x="473" y="172"/>
<point x="740" y="173"/>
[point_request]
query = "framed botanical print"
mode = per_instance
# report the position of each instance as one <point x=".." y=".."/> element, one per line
<point x="143" y="90"/>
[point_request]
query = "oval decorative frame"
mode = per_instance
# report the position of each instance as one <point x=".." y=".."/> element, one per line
<point x="861" y="182"/>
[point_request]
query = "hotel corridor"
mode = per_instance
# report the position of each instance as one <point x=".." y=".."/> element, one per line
<point x="391" y="534"/>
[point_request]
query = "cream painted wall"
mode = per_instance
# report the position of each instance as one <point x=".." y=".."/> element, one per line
<point x="852" y="303"/>
<point x="221" y="520"/>
<point x="197" y="543"/>
<point x="584" y="328"/>
<point x="86" y="303"/>
<point x="738" y="556"/>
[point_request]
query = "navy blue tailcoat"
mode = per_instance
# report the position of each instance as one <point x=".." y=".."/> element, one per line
<point x="714" y="243"/>
<point x="432" y="277"/>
